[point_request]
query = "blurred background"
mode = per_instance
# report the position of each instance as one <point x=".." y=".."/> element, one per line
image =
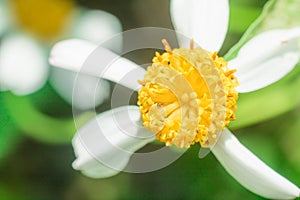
<point x="36" y="124"/>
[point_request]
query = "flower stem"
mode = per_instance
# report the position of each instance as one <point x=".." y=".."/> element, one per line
<point x="36" y="124"/>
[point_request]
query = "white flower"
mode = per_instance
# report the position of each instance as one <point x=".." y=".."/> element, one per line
<point x="27" y="31"/>
<point x="104" y="145"/>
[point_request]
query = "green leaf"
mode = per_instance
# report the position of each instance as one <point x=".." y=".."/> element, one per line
<point x="282" y="96"/>
<point x="241" y="17"/>
<point x="277" y="14"/>
<point x="38" y="125"/>
<point x="289" y="138"/>
<point x="9" y="137"/>
<point x="268" y="102"/>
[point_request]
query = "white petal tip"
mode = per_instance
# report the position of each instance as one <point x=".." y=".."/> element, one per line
<point x="104" y="146"/>
<point x="266" y="58"/>
<point x="250" y="171"/>
<point x="77" y="165"/>
<point x="71" y="54"/>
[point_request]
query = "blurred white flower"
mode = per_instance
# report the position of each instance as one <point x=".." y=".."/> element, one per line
<point x="104" y="145"/>
<point x="29" y="27"/>
<point x="23" y="67"/>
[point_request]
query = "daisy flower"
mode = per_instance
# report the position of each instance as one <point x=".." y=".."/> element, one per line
<point x="188" y="95"/>
<point x="28" y="28"/>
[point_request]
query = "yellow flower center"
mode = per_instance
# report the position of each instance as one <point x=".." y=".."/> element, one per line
<point x="187" y="96"/>
<point x="44" y="18"/>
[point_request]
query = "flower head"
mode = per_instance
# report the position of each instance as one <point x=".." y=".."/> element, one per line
<point x="29" y="27"/>
<point x="188" y="96"/>
<point x="185" y="96"/>
<point x="31" y="16"/>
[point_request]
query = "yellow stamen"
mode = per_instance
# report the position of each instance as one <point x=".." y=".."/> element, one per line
<point x="44" y="18"/>
<point x="166" y="45"/>
<point x="192" y="44"/>
<point x="187" y="96"/>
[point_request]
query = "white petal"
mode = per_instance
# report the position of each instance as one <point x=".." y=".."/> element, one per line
<point x="104" y="145"/>
<point x="85" y="57"/>
<point x="206" y="21"/>
<point x="81" y="90"/>
<point x="266" y="58"/>
<point x="23" y="65"/>
<point x="98" y="26"/>
<point x="71" y="54"/>
<point x="250" y="171"/>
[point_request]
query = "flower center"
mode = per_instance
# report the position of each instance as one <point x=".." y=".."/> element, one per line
<point x="44" y="18"/>
<point x="187" y="96"/>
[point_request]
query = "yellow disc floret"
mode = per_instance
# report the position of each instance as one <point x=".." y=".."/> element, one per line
<point x="44" y="18"/>
<point x="187" y="96"/>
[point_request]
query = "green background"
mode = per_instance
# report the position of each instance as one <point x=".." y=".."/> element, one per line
<point x="36" y="130"/>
